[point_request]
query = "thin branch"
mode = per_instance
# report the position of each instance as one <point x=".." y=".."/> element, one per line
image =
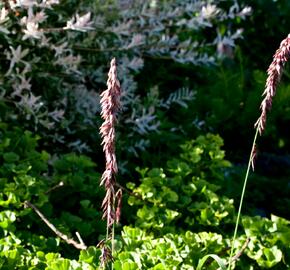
<point x="113" y="49"/>
<point x="60" y="184"/>
<point x="234" y="258"/>
<point x="128" y="191"/>
<point x="54" y="229"/>
<point x="241" y="251"/>
<point x="80" y="238"/>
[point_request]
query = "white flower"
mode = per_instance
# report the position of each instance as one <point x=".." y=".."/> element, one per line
<point x="49" y="3"/>
<point x="238" y="34"/>
<point x="32" y="31"/>
<point x="3" y="19"/>
<point x="60" y="49"/>
<point x="209" y="11"/>
<point x="3" y="15"/>
<point x="57" y="115"/>
<point x="45" y="42"/>
<point x="80" y="23"/>
<point x="23" y="3"/>
<point x="39" y="17"/>
<point x="15" y="57"/>
<point x="19" y="87"/>
<point x="246" y="11"/>
<point x="31" y="103"/>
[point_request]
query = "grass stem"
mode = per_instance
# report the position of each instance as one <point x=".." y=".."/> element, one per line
<point x="242" y="198"/>
<point x="113" y="247"/>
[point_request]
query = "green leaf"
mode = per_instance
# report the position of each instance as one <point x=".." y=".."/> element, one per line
<point x="117" y="265"/>
<point x="85" y="203"/>
<point x="213" y="256"/>
<point x="129" y="266"/>
<point x="6" y="218"/>
<point x="271" y="257"/>
<point x="90" y="255"/>
<point x="52" y="256"/>
<point x="60" y="264"/>
<point x="10" y="157"/>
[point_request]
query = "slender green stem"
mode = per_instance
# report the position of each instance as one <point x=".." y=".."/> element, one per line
<point x="112" y="242"/>
<point x="242" y="199"/>
<point x="113" y="235"/>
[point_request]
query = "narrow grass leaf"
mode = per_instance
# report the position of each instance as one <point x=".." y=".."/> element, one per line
<point x="213" y="256"/>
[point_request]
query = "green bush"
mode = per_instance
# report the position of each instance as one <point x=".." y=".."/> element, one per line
<point x="29" y="176"/>
<point x="182" y="216"/>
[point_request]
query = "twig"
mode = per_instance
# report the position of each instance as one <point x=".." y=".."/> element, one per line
<point x="234" y="258"/>
<point x="80" y="238"/>
<point x="128" y="191"/>
<point x="54" y="229"/>
<point x="241" y="251"/>
<point x="60" y="184"/>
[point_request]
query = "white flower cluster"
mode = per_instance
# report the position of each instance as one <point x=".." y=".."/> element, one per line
<point x="55" y="58"/>
<point x="150" y="27"/>
<point x="27" y="62"/>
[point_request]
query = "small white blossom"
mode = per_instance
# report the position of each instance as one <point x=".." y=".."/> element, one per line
<point x="238" y="34"/>
<point x="45" y="41"/>
<point x="3" y="19"/>
<point x="15" y="57"/>
<point x="57" y="115"/>
<point x="23" y="3"/>
<point x="31" y="103"/>
<point x="80" y="23"/>
<point x="209" y="11"/>
<point x="49" y="3"/>
<point x="60" y="49"/>
<point x="19" y="87"/>
<point x="32" y="31"/>
<point x="39" y="17"/>
<point x="246" y="11"/>
<point x="3" y="15"/>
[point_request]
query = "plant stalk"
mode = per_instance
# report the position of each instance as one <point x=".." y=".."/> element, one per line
<point x="242" y="197"/>
<point x="113" y="247"/>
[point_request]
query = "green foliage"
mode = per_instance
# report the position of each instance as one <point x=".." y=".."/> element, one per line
<point x="185" y="192"/>
<point x="271" y="238"/>
<point x="182" y="217"/>
<point x="26" y="242"/>
<point x="171" y="251"/>
<point x="79" y="193"/>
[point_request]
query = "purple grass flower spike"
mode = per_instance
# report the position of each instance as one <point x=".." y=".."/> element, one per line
<point x="110" y="104"/>
<point x="274" y="75"/>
